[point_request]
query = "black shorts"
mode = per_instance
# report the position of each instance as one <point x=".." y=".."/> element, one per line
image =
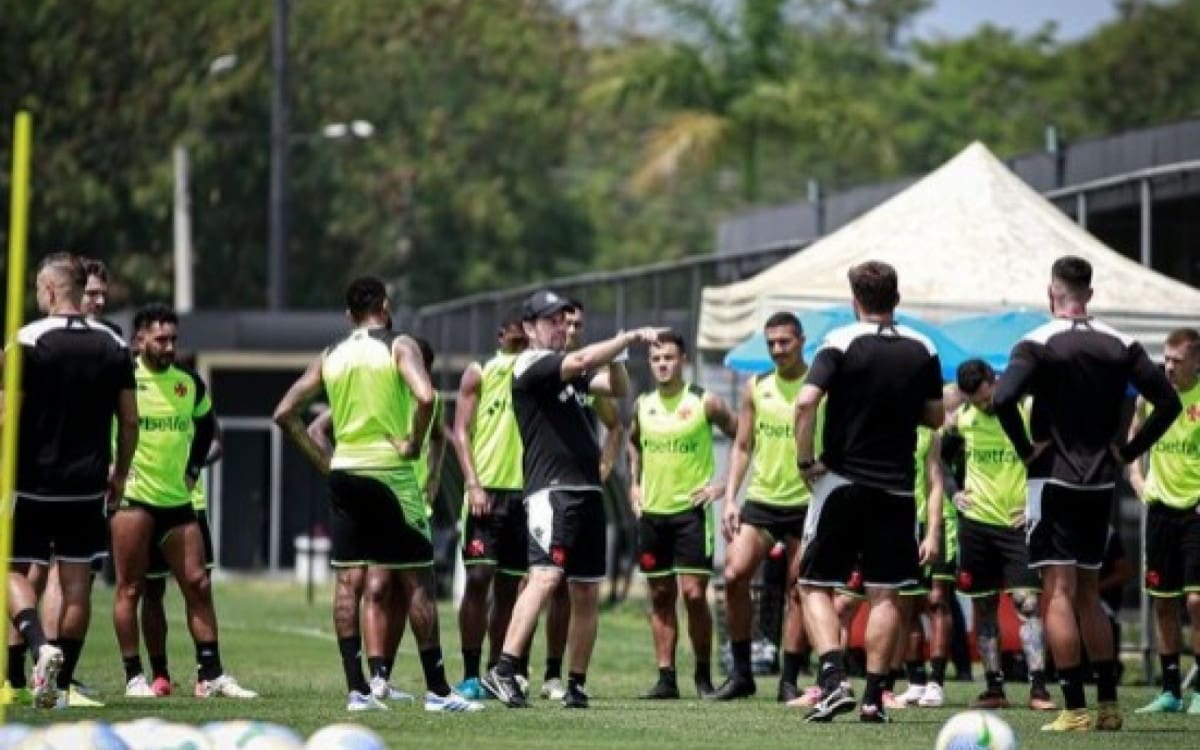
<point x="1172" y="551"/>
<point x="946" y="569"/>
<point x="378" y="519"/>
<point x="992" y="559"/>
<point x="1067" y="525"/>
<point x="924" y="583"/>
<point x="500" y="538"/>
<point x="72" y="531"/>
<point x="854" y="527"/>
<point x="158" y="567"/>
<point x="676" y="543"/>
<point x="777" y="522"/>
<point x="567" y="531"/>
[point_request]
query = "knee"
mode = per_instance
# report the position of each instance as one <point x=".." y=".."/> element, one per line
<point x="197" y="584"/>
<point x="130" y="590"/>
<point x="479" y="577"/>
<point x="695" y="596"/>
<point x="662" y="598"/>
<point x="376" y="592"/>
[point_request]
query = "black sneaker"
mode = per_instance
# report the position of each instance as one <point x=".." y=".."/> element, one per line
<point x="873" y="715"/>
<point x="787" y="692"/>
<point x="577" y="697"/>
<point x="733" y="688"/>
<point x="505" y="688"/>
<point x="661" y="691"/>
<point x="836" y="702"/>
<point x="704" y="687"/>
<point x="991" y="699"/>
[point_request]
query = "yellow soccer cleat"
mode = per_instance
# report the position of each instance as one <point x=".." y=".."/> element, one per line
<point x="1070" y="720"/>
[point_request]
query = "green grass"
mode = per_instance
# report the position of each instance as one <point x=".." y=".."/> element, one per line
<point x="274" y="642"/>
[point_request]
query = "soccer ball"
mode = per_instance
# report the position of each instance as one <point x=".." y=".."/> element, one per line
<point x="252" y="735"/>
<point x="84" y="735"/>
<point x="976" y="730"/>
<point x="345" y="737"/>
<point x="12" y="735"/>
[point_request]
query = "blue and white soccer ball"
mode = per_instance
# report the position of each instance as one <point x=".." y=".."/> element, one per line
<point x="252" y="735"/>
<point x="345" y="737"/>
<point x="976" y="730"/>
<point x="83" y="735"/>
<point x="12" y="735"/>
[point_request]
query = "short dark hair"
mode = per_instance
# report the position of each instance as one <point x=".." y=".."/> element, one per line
<point x="155" y="312"/>
<point x="512" y="317"/>
<point x="427" y="355"/>
<point x="875" y="285"/>
<point x="671" y="336"/>
<point x="574" y="305"/>
<point x="1073" y="272"/>
<point x="93" y="267"/>
<point x="1188" y="337"/>
<point x="364" y="296"/>
<point x="784" y="318"/>
<point x="973" y="373"/>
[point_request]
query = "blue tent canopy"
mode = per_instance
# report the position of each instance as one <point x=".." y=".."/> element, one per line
<point x="752" y="356"/>
<point x="992" y="336"/>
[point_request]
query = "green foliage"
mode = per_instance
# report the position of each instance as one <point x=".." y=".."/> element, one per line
<point x="513" y="142"/>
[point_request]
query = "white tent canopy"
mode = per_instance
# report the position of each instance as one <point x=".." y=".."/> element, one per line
<point x="969" y="237"/>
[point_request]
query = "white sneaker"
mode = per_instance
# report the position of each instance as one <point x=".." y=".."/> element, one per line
<point x="912" y="696"/>
<point x="356" y="702"/>
<point x="452" y="703"/>
<point x="382" y="690"/>
<point x="44" y="687"/>
<point x="933" y="697"/>
<point x="137" y="687"/>
<point x="224" y="686"/>
<point x="554" y="689"/>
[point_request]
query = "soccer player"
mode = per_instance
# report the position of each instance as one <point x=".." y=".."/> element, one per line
<point x="382" y="402"/>
<point x="76" y="378"/>
<point x="879" y="381"/>
<point x="928" y="493"/>
<point x="153" y="612"/>
<point x="176" y="428"/>
<point x="495" y="539"/>
<point x="1171" y="491"/>
<point x="993" y="554"/>
<point x="558" y="614"/>
<point x="561" y="463"/>
<point x="672" y="487"/>
<point x="1077" y="369"/>
<point x="775" y="508"/>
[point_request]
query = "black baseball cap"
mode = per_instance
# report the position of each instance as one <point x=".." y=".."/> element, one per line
<point x="543" y="304"/>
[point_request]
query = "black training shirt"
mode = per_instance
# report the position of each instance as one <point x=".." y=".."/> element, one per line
<point x="557" y="437"/>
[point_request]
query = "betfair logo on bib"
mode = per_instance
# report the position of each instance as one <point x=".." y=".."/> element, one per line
<point x="773" y="431"/>
<point x="670" y="445"/>
<point x="164" y="424"/>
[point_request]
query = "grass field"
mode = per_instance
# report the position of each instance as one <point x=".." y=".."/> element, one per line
<point x="274" y="642"/>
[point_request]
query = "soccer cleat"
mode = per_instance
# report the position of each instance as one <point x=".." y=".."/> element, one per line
<point x="934" y="697"/>
<point x="736" y="686"/>
<point x="787" y="692"/>
<point x="873" y="715"/>
<point x="73" y="698"/>
<point x="576" y="697"/>
<point x="383" y="690"/>
<point x="661" y="691"/>
<point x="809" y="698"/>
<point x="1163" y="703"/>
<point x="137" y="687"/>
<point x="1040" y="700"/>
<point x="161" y="686"/>
<point x="1070" y="720"/>
<point x="523" y="683"/>
<point x="912" y="696"/>
<point x="472" y="689"/>
<point x="45" y="675"/>
<point x="1108" y="717"/>
<point x="553" y="689"/>
<point x="991" y="700"/>
<point x="87" y="690"/>
<point x="451" y="703"/>
<point x="505" y="688"/>
<point x="838" y="701"/>
<point x="704" y="687"/>
<point x="1194" y="708"/>
<point x="223" y="686"/>
<point x="357" y="702"/>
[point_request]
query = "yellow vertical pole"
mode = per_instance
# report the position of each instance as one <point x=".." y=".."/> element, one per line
<point x="18" y="229"/>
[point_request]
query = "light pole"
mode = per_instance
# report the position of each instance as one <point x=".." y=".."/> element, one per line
<point x="182" y="211"/>
<point x="277" y="221"/>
